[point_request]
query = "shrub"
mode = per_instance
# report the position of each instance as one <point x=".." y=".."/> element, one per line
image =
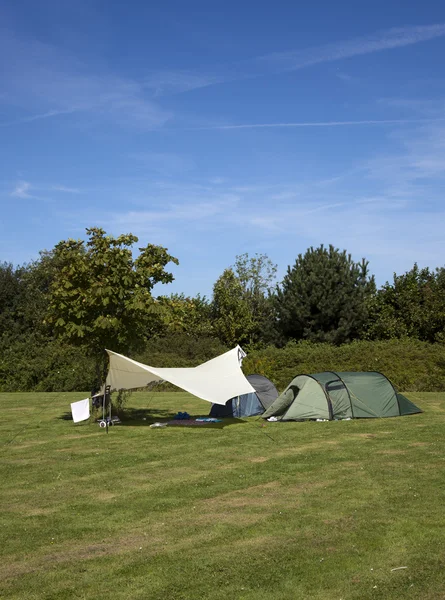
<point x="410" y="364"/>
<point x="39" y="365"/>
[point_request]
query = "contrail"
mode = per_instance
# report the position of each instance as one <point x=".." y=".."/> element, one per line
<point x="324" y="124"/>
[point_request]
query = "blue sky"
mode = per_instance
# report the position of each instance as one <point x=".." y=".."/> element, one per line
<point x="221" y="128"/>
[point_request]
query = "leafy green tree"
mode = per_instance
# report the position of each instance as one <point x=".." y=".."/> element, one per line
<point x="185" y="315"/>
<point x="323" y="297"/>
<point x="233" y="322"/>
<point x="24" y="296"/>
<point x="9" y="296"/>
<point x="257" y="276"/>
<point x="100" y="296"/>
<point x="412" y="306"/>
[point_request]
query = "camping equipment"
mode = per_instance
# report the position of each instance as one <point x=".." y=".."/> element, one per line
<point x="247" y="405"/>
<point x="330" y="396"/>
<point x="80" y="410"/>
<point x="215" y="380"/>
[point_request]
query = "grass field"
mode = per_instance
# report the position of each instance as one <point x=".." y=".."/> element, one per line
<point x="242" y="511"/>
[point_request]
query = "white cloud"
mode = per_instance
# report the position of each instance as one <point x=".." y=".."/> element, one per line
<point x="174" y="82"/>
<point x="324" y="124"/>
<point x="388" y="209"/>
<point x="377" y="42"/>
<point x="21" y="190"/>
<point x="277" y="62"/>
<point x="43" y="78"/>
<point x="65" y="189"/>
<point x="46" y="81"/>
<point x="30" y="119"/>
<point x="186" y="212"/>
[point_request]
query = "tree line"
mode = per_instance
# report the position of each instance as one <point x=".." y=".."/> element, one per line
<point x="84" y="296"/>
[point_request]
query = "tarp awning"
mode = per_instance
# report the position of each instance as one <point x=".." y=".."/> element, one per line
<point x="216" y="380"/>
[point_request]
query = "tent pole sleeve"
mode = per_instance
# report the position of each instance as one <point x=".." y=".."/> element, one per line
<point x="349" y="395"/>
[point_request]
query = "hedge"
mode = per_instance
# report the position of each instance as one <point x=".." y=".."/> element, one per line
<point x="411" y="365"/>
<point x="51" y="366"/>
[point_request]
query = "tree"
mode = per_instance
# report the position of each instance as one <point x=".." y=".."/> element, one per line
<point x="232" y="318"/>
<point x="182" y="314"/>
<point x="100" y="296"/>
<point x="323" y="297"/>
<point x="24" y="296"/>
<point x="413" y="305"/>
<point x="9" y="296"/>
<point x="256" y="276"/>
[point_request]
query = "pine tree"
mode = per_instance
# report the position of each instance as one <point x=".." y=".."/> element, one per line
<point x="323" y="297"/>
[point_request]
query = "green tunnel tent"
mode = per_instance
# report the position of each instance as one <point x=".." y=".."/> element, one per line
<point x="332" y="395"/>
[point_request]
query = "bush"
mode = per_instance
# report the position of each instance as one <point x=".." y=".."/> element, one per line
<point x="180" y="350"/>
<point x="411" y="365"/>
<point x="41" y="365"/>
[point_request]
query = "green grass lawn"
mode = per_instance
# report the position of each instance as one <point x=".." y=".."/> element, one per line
<point x="244" y="511"/>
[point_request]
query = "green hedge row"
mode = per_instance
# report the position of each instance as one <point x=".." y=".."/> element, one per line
<point x="411" y="365"/>
<point x="30" y="365"/>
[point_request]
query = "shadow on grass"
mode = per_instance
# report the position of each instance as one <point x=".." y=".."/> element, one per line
<point x="66" y="417"/>
<point x="143" y="417"/>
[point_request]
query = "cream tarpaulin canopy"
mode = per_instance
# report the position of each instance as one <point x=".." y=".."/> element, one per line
<point x="216" y="380"/>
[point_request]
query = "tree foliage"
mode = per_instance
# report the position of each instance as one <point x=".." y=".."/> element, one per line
<point x="257" y="276"/>
<point x="323" y="297"/>
<point x="100" y="296"/>
<point x="9" y="295"/>
<point x="233" y="321"/>
<point x="190" y="316"/>
<point x="412" y="306"/>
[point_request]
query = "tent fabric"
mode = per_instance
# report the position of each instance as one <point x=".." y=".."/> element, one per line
<point x="215" y="380"/>
<point x="406" y="406"/>
<point x="332" y="395"/>
<point x="80" y="410"/>
<point x="264" y="389"/>
<point x="248" y="405"/>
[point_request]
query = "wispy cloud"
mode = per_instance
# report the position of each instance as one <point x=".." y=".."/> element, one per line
<point x="65" y="189"/>
<point x="21" y="190"/>
<point x="325" y="123"/>
<point x="25" y="190"/>
<point x="45" y="80"/>
<point x="175" y="218"/>
<point x="377" y="42"/>
<point x="390" y="206"/>
<point x="293" y="60"/>
<point x="39" y="117"/>
<point x="174" y="82"/>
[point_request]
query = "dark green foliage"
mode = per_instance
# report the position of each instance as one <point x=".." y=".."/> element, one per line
<point x="33" y="363"/>
<point x="413" y="305"/>
<point x="9" y="295"/>
<point x="180" y="350"/>
<point x="59" y="312"/>
<point x="323" y="297"/>
<point x="411" y="365"/>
